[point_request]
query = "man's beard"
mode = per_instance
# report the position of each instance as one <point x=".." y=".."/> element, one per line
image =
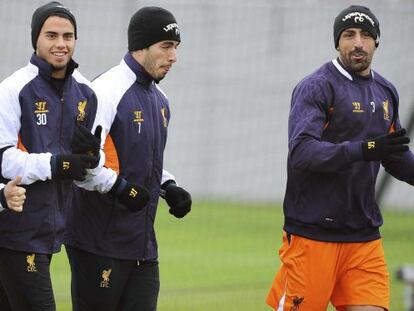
<point x="356" y="66"/>
<point x="59" y="67"/>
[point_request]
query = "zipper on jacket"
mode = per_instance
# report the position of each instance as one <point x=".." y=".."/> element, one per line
<point x="58" y="183"/>
<point x="154" y="134"/>
<point x="62" y="101"/>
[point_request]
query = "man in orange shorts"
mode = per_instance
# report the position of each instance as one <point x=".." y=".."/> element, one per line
<point x="343" y="124"/>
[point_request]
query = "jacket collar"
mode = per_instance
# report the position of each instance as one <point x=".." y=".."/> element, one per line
<point x="143" y="77"/>
<point x="46" y="69"/>
<point x="349" y="74"/>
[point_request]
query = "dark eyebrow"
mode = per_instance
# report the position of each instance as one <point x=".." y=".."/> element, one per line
<point x="55" y="33"/>
<point x="171" y="43"/>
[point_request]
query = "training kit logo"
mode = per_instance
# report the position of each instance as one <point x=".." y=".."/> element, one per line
<point x="173" y="27"/>
<point x="164" y="116"/>
<point x="41" y="107"/>
<point x="133" y="193"/>
<point x="40" y="112"/>
<point x="357" y="107"/>
<point x="65" y="165"/>
<point x="138" y="119"/>
<point x="31" y="265"/>
<point x="385" y="106"/>
<point x="371" y="144"/>
<point x="358" y="17"/>
<point x="105" y="278"/>
<point x="138" y="116"/>
<point x="296" y="303"/>
<point x="81" y="109"/>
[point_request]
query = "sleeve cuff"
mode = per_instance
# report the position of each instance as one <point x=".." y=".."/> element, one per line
<point x="165" y="185"/>
<point x="118" y="186"/>
<point x="3" y="201"/>
<point x="354" y="150"/>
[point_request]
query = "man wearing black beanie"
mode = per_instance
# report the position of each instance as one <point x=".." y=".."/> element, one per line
<point x="113" y="251"/>
<point x="53" y="8"/>
<point x="37" y="121"/>
<point x="343" y="124"/>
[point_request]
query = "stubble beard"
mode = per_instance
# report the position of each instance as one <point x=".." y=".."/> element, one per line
<point x="59" y="67"/>
<point x="356" y="66"/>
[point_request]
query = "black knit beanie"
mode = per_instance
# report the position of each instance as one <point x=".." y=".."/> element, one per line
<point x="356" y="16"/>
<point x="150" y="25"/>
<point x="53" y="8"/>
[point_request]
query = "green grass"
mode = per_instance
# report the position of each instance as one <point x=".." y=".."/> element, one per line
<point x="223" y="257"/>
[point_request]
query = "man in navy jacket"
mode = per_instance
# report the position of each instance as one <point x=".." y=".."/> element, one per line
<point x="343" y="124"/>
<point x="110" y="238"/>
<point x="41" y="105"/>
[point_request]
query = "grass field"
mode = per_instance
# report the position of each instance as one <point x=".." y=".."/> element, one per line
<point x="224" y="255"/>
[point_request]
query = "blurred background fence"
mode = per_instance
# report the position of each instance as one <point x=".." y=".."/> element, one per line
<point x="230" y="89"/>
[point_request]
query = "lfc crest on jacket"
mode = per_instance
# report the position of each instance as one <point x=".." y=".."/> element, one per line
<point x="81" y="110"/>
<point x="164" y="116"/>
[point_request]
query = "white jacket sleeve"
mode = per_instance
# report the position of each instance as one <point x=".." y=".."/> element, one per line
<point x="100" y="179"/>
<point x="31" y="166"/>
<point x="166" y="176"/>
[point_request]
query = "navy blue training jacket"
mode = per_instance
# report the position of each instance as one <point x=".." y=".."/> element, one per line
<point x="36" y="123"/>
<point x="134" y="114"/>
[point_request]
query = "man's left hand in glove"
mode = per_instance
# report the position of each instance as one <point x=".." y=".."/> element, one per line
<point x="178" y="199"/>
<point x="84" y="142"/>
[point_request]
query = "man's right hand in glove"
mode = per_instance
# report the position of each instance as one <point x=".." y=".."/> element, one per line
<point x="71" y="166"/>
<point x="381" y="147"/>
<point x="134" y="197"/>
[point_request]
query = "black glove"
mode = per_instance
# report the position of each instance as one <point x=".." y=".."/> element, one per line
<point x="379" y="148"/>
<point x="177" y="199"/>
<point x="71" y="166"/>
<point x="134" y="197"/>
<point x="84" y="142"/>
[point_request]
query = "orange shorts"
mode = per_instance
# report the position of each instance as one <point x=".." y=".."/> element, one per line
<point x="314" y="273"/>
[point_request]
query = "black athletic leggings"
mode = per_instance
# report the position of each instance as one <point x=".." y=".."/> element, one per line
<point x="103" y="283"/>
<point x="25" y="283"/>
